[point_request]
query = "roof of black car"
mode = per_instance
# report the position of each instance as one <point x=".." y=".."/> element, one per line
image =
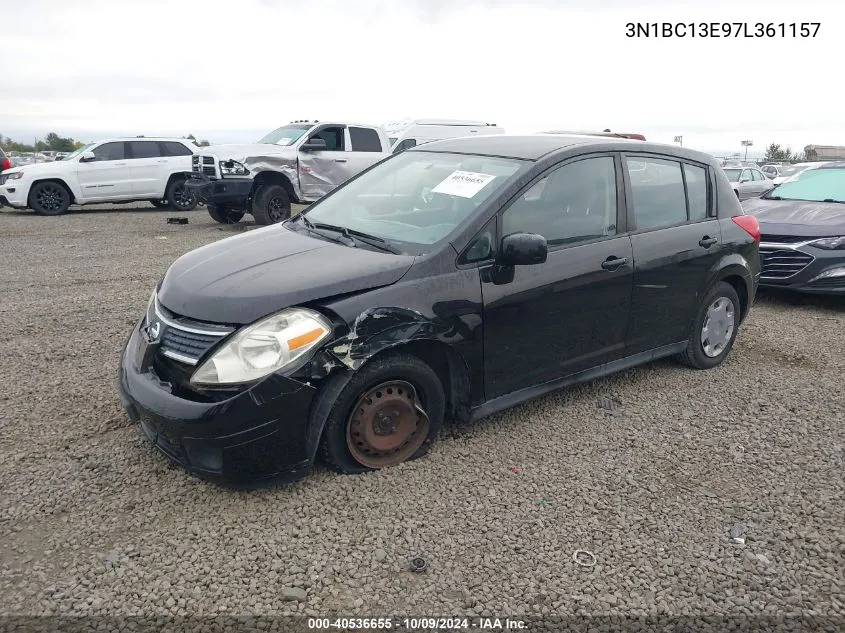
<point x="531" y="147"/>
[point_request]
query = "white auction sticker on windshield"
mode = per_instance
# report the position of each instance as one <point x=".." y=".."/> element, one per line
<point x="463" y="183"/>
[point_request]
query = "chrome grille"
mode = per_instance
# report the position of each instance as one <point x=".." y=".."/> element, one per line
<point x="185" y="340"/>
<point x="783" y="239"/>
<point x="778" y="263"/>
<point x="179" y="344"/>
<point x="204" y="165"/>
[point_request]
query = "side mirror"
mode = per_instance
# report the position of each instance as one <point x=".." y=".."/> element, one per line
<point x="523" y="249"/>
<point x="87" y="157"/>
<point x="313" y="145"/>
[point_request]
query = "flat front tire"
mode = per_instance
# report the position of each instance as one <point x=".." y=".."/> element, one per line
<point x="388" y="412"/>
<point x="714" y="329"/>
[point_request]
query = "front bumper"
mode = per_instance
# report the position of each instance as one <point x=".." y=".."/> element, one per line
<point x="230" y="192"/>
<point x="13" y="195"/>
<point x="256" y="436"/>
<point x="821" y="271"/>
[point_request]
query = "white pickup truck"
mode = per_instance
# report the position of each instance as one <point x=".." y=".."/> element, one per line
<point x="300" y="162"/>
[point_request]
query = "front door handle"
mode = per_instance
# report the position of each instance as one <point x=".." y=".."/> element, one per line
<point x="707" y="241"/>
<point x="340" y="160"/>
<point x="612" y="263"/>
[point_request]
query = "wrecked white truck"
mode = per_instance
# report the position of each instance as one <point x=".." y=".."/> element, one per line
<point x="300" y="162"/>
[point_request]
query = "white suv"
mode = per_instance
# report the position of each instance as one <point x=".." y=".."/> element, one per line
<point x="114" y="170"/>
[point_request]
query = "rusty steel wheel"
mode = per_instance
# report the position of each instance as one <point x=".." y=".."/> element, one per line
<point x="387" y="425"/>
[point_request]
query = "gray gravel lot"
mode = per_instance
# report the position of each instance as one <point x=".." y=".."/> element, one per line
<point x="92" y="520"/>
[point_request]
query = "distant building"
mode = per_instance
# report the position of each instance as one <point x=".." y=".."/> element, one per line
<point x="824" y="152"/>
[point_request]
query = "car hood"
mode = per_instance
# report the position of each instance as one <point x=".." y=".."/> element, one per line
<point x="797" y="217"/>
<point x="240" y="279"/>
<point x="32" y="168"/>
<point x="242" y="152"/>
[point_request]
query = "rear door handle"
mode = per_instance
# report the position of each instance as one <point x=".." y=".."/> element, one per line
<point x="612" y="263"/>
<point x="707" y="241"/>
<point x="340" y="160"/>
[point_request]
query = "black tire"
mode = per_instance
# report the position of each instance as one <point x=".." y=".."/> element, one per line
<point x="179" y="196"/>
<point x="335" y="444"/>
<point x="270" y="204"/>
<point x="160" y="204"/>
<point x="695" y="355"/>
<point x="224" y="215"/>
<point x="49" y="198"/>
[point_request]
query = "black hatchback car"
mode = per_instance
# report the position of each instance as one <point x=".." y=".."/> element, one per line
<point x="802" y="222"/>
<point x="451" y="280"/>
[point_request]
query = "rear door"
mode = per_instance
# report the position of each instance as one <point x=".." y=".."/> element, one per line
<point x="570" y="313"/>
<point x="365" y="148"/>
<point x="321" y="172"/>
<point x="676" y="241"/>
<point x="760" y="182"/>
<point x="149" y="168"/>
<point x="108" y="176"/>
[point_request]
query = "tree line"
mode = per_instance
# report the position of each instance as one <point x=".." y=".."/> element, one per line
<point x="776" y="154"/>
<point x="55" y="143"/>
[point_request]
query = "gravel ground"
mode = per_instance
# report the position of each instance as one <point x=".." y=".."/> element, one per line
<point x="93" y="521"/>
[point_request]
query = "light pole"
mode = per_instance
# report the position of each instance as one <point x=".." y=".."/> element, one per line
<point x="746" y="145"/>
<point x="679" y="140"/>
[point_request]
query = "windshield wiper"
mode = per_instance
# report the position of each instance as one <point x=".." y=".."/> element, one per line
<point x="313" y="229"/>
<point x="351" y="234"/>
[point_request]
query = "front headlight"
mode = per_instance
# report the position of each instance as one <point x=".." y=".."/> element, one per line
<point x="233" y="168"/>
<point x="264" y="347"/>
<point x="830" y="243"/>
<point x="15" y="175"/>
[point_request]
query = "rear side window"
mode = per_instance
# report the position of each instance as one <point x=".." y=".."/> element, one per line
<point x="143" y="149"/>
<point x="364" y="139"/>
<point x="110" y="151"/>
<point x="658" y="189"/>
<point x="172" y="148"/>
<point x="696" y="178"/>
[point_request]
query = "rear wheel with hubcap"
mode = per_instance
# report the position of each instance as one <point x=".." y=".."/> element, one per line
<point x="388" y="413"/>
<point x="270" y="204"/>
<point x="49" y="198"/>
<point x="715" y="328"/>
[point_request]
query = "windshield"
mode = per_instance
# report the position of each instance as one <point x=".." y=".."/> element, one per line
<point x="285" y="135"/>
<point x="816" y="185"/>
<point x="733" y="174"/>
<point x="77" y="152"/>
<point x="415" y="199"/>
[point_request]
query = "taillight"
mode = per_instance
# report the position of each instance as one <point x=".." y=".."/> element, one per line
<point x="5" y="164"/>
<point x="749" y="224"/>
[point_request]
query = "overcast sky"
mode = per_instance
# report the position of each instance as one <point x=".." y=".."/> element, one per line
<point x="230" y="71"/>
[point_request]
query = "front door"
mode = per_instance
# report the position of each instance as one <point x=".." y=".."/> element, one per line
<point x="570" y="313"/>
<point x="320" y="172"/>
<point x="108" y="175"/>
<point x="676" y="241"/>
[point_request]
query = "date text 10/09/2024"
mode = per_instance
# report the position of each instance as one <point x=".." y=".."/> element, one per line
<point x="722" y="29"/>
